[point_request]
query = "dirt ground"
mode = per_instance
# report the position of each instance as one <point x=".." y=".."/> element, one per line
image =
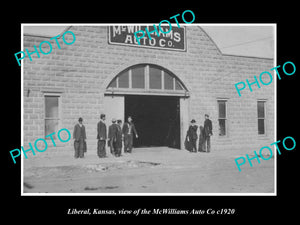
<point x="146" y="170"/>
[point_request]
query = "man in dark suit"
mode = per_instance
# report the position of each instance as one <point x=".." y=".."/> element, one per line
<point x="101" y="136"/>
<point x="119" y="136"/>
<point x="112" y="136"/>
<point x="115" y="138"/>
<point x="192" y="136"/>
<point x="128" y="130"/>
<point x="207" y="132"/>
<point x="80" y="136"/>
<point x="201" y="139"/>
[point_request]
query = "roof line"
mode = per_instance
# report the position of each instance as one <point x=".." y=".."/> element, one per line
<point x="247" y="42"/>
<point x="245" y="56"/>
<point x="211" y="40"/>
<point x="47" y="36"/>
<point x="225" y="54"/>
<point x="219" y="50"/>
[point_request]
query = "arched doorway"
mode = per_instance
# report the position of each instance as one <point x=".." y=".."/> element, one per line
<point x="153" y="96"/>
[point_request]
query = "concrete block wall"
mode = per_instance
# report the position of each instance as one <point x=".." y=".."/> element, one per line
<point x="242" y="110"/>
<point x="81" y="72"/>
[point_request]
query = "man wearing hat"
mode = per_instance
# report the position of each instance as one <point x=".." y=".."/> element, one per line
<point x="207" y="132"/>
<point x="119" y="136"/>
<point x="191" y="136"/>
<point x="101" y="136"/>
<point x="112" y="136"/>
<point x="128" y="131"/>
<point x="80" y="136"/>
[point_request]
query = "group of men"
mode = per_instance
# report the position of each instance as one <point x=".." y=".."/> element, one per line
<point x="115" y="137"/>
<point x="204" y="136"/>
<point x="117" y="134"/>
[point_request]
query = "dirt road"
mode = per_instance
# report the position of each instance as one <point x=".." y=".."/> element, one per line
<point x="147" y="170"/>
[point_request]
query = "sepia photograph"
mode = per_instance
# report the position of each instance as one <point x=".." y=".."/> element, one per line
<point x="144" y="109"/>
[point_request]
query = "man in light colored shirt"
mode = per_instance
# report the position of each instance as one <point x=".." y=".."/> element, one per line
<point x="80" y="136"/>
<point x="128" y="130"/>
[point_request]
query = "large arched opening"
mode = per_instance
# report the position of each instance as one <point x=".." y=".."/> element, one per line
<point x="155" y="98"/>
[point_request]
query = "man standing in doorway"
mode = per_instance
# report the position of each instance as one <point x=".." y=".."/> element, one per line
<point x="118" y="145"/>
<point x="79" y="135"/>
<point x="207" y="132"/>
<point x="101" y="136"/>
<point x="128" y="130"/>
<point x="112" y="136"/>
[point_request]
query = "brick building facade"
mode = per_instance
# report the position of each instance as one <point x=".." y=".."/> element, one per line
<point x="85" y="79"/>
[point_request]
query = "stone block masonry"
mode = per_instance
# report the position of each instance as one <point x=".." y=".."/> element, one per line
<point x="80" y="73"/>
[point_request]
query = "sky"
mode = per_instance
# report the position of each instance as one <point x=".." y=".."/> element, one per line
<point x="244" y="40"/>
<point x="257" y="41"/>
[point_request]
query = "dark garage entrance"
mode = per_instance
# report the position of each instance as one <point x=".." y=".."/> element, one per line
<point x="156" y="119"/>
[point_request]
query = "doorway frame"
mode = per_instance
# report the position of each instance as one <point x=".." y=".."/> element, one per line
<point x="184" y="106"/>
<point x="184" y="97"/>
